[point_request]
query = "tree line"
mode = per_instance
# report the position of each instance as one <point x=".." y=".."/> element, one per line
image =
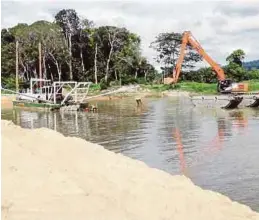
<point x="73" y="48"/>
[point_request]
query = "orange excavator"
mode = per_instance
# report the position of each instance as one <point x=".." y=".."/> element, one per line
<point x="224" y="85"/>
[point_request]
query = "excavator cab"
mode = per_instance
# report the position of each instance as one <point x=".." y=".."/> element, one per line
<point x="228" y="86"/>
<point x="225" y="86"/>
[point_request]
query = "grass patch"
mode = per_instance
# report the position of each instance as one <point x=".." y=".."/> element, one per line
<point x="205" y="88"/>
<point x="253" y="85"/>
<point x="184" y="86"/>
<point x="195" y="87"/>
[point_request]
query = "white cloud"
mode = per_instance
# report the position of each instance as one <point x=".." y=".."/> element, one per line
<point x="220" y="26"/>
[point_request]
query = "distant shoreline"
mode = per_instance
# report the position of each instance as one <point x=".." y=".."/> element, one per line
<point x="6" y="99"/>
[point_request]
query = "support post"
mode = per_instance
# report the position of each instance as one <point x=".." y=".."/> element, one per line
<point x="17" y="66"/>
<point x="40" y="69"/>
<point x="54" y="93"/>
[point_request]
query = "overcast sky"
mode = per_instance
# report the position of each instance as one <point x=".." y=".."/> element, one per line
<point x="220" y="26"/>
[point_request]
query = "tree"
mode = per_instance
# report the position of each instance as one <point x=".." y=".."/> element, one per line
<point x="234" y="68"/>
<point x="68" y="20"/>
<point x="237" y="57"/>
<point x="106" y="53"/>
<point x="7" y="59"/>
<point x="168" y="47"/>
<point x="115" y="44"/>
<point x="235" y="71"/>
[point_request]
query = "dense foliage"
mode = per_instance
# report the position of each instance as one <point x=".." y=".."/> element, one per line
<point x="75" y="49"/>
<point x="233" y="70"/>
<point x="168" y="47"/>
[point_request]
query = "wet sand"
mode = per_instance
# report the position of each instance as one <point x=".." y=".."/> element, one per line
<point x="48" y="176"/>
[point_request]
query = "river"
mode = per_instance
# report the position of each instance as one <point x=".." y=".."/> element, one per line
<point x="217" y="149"/>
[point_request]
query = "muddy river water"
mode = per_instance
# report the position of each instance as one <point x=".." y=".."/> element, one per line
<point x="217" y="149"/>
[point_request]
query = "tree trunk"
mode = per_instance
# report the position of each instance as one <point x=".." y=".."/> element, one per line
<point x="108" y="65"/>
<point x="116" y="76"/>
<point x="24" y="71"/>
<point x="27" y="72"/>
<point x="51" y="74"/>
<point x="17" y="67"/>
<point x="82" y="60"/>
<point x="59" y="71"/>
<point x="44" y="66"/>
<point x="35" y="73"/>
<point x="40" y="62"/>
<point x="111" y="41"/>
<point x="57" y="66"/>
<point x="70" y="57"/>
<point x="95" y="64"/>
<point x="136" y="73"/>
<point x="145" y="72"/>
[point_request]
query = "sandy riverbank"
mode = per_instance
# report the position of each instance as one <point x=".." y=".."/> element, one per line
<point x="6" y="100"/>
<point x="48" y="176"/>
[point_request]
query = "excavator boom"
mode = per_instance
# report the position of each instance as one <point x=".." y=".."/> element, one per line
<point x="195" y="44"/>
<point x="224" y="85"/>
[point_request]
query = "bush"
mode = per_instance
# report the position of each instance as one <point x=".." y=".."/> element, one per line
<point x="95" y="87"/>
<point x="125" y="80"/>
<point x="8" y="83"/>
<point x="252" y="74"/>
<point x="103" y="85"/>
<point x="141" y="80"/>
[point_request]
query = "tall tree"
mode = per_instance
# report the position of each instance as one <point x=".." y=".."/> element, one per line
<point x="71" y="43"/>
<point x="168" y="46"/>
<point x="237" y="57"/>
<point x="68" y="20"/>
<point x="112" y="39"/>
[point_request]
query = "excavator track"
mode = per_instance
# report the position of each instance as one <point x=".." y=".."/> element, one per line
<point x="221" y="101"/>
<point x="232" y="101"/>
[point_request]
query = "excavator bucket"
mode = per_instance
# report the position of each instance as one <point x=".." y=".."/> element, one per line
<point x="255" y="104"/>
<point x="233" y="103"/>
<point x="251" y="101"/>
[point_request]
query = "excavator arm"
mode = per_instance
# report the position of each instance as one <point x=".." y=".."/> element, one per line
<point x="224" y="85"/>
<point x="188" y="38"/>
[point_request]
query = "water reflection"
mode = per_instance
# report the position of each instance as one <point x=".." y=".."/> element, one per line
<point x="178" y="138"/>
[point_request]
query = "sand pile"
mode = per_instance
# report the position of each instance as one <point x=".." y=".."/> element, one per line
<point x="48" y="176"/>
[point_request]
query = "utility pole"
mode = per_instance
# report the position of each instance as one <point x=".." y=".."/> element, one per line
<point x="40" y="69"/>
<point x="17" y="66"/>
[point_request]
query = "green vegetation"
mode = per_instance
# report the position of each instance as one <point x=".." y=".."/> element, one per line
<point x="72" y="48"/>
<point x="253" y="85"/>
<point x="195" y="87"/>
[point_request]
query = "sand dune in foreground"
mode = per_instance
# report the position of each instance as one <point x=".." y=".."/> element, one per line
<point x="48" y="176"/>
